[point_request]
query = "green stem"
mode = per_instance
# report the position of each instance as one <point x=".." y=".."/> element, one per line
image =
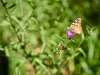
<point x="4" y="5"/>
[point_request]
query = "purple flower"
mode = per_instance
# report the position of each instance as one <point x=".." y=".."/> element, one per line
<point x="69" y="34"/>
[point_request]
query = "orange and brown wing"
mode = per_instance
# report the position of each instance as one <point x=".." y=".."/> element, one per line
<point x="76" y="26"/>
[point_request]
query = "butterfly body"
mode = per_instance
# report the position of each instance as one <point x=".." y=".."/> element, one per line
<point x="75" y="27"/>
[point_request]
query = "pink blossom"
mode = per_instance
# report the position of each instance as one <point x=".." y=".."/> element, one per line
<point x="69" y="33"/>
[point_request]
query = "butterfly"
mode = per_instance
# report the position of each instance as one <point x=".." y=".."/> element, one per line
<point x="75" y="27"/>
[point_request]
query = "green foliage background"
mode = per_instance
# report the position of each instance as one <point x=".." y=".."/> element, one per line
<point x="31" y="32"/>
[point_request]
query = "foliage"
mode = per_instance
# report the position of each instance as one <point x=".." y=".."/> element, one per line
<point x="32" y="32"/>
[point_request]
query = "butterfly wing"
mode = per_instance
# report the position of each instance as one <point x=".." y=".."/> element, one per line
<point x="75" y="27"/>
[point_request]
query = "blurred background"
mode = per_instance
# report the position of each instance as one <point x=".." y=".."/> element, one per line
<point x="33" y="39"/>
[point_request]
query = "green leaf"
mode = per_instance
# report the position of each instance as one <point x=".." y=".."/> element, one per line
<point x="83" y="37"/>
<point x="81" y="50"/>
<point x="42" y="65"/>
<point x="73" y="40"/>
<point x="60" y="54"/>
<point x="17" y="21"/>
<point x="85" y="67"/>
<point x="7" y="52"/>
<point x="72" y="56"/>
<point x="1" y="49"/>
<point x="12" y="6"/>
<point x="59" y="37"/>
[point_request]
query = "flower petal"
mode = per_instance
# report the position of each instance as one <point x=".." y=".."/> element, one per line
<point x="69" y="34"/>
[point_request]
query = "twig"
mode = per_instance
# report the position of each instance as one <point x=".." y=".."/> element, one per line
<point x="4" y="5"/>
